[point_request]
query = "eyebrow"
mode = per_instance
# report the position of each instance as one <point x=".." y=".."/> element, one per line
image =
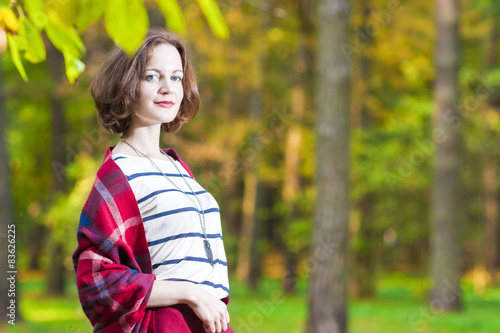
<point x="159" y="72"/>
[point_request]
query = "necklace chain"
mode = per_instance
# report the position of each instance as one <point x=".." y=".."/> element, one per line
<point x="201" y="215"/>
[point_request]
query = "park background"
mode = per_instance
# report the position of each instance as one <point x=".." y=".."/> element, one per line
<point x="254" y="145"/>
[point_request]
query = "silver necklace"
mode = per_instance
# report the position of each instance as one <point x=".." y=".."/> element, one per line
<point x="201" y="216"/>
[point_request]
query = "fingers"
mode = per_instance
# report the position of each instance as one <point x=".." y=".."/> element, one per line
<point x="225" y="320"/>
<point x="217" y="326"/>
<point x="209" y="328"/>
<point x="223" y="325"/>
<point x="211" y="310"/>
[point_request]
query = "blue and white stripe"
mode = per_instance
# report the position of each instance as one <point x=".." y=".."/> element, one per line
<point x="172" y="224"/>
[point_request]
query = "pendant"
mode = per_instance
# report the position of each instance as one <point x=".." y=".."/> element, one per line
<point x="208" y="251"/>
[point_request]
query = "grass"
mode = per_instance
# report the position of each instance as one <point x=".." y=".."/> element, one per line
<point x="400" y="306"/>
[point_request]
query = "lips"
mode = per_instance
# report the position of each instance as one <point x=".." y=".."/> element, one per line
<point x="165" y="104"/>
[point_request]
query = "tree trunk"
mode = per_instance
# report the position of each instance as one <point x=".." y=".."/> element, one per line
<point x="497" y="198"/>
<point x="445" y="250"/>
<point x="37" y="242"/>
<point x="491" y="219"/>
<point x="57" y="271"/>
<point x="364" y="256"/>
<point x="247" y="240"/>
<point x="490" y="176"/>
<point x="8" y="230"/>
<point x="291" y="182"/>
<point x="249" y="258"/>
<point x="328" y="282"/>
<point x="364" y="266"/>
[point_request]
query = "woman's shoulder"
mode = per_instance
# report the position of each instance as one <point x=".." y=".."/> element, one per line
<point x="109" y="172"/>
<point x="173" y="153"/>
<point x="121" y="149"/>
<point x="110" y="184"/>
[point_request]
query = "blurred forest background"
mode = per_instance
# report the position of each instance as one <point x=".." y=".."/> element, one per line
<point x="253" y="146"/>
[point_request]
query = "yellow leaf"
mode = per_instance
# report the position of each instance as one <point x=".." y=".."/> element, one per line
<point x="8" y="20"/>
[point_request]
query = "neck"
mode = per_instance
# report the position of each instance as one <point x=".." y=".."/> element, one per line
<point x="145" y="139"/>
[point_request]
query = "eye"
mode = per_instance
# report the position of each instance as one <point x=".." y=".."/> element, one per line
<point x="177" y="78"/>
<point x="150" y="77"/>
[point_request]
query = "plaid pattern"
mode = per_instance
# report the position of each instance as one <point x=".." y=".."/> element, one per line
<point x="112" y="262"/>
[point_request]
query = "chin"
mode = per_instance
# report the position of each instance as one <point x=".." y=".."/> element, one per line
<point x="167" y="120"/>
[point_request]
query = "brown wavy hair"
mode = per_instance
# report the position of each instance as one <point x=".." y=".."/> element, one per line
<point x="115" y="88"/>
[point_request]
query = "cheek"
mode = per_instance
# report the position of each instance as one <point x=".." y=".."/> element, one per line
<point x="181" y="92"/>
<point x="145" y="93"/>
<point x="141" y="93"/>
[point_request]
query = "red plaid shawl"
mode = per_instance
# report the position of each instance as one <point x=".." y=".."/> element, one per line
<point x="112" y="261"/>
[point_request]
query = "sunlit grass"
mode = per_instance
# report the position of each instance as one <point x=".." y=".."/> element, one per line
<point x="44" y="313"/>
<point x="400" y="307"/>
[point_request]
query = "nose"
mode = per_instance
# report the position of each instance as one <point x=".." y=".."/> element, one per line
<point x="165" y="87"/>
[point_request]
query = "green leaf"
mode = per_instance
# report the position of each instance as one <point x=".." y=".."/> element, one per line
<point x="16" y="58"/>
<point x="37" y="12"/>
<point x="64" y="37"/>
<point x="214" y="17"/>
<point x="67" y="41"/>
<point x="35" y="49"/>
<point x="67" y="10"/>
<point x="173" y="14"/>
<point x="74" y="67"/>
<point x="127" y="23"/>
<point x="89" y="11"/>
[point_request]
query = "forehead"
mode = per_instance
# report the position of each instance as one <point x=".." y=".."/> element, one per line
<point x="164" y="56"/>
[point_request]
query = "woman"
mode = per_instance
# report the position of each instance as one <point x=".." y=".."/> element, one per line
<point x="150" y="255"/>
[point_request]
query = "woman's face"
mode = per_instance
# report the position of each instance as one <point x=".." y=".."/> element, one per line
<point x="160" y="88"/>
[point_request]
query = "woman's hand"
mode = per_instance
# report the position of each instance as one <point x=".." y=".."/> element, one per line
<point x="211" y="310"/>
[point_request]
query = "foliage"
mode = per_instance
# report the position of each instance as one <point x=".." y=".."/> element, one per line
<point x="82" y="172"/>
<point x="62" y="21"/>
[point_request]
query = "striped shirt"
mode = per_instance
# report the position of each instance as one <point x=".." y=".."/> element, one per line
<point x="172" y="223"/>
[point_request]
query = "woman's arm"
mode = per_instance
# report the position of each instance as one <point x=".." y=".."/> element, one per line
<point x="211" y="310"/>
